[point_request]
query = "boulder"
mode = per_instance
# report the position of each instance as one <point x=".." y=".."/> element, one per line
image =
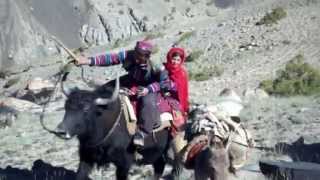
<point x="20" y="105"/>
<point x="255" y="93"/>
<point x="38" y="83"/>
<point x="7" y="116"/>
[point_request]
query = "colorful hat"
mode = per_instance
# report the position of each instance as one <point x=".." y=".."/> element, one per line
<point x="144" y="47"/>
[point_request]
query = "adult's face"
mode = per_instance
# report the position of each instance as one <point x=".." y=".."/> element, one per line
<point x="141" y="58"/>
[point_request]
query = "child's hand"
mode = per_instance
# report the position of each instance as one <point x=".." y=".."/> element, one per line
<point x="165" y="86"/>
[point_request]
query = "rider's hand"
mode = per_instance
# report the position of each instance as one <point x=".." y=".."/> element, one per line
<point x="128" y="92"/>
<point x="82" y="60"/>
<point x="142" y="91"/>
<point x="165" y="86"/>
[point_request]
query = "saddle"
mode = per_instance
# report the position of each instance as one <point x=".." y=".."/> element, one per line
<point x="196" y="145"/>
<point x="166" y="118"/>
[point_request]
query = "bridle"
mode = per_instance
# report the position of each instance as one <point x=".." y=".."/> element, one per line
<point x="108" y="135"/>
<point x="62" y="75"/>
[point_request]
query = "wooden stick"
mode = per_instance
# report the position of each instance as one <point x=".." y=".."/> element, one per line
<point x="65" y="48"/>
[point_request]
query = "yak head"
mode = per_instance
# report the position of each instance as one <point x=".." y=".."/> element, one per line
<point x="84" y="107"/>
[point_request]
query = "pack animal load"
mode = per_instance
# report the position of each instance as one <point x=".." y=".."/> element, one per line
<point x="211" y="123"/>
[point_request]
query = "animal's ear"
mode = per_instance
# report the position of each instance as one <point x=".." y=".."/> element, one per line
<point x="300" y="141"/>
<point x="236" y="119"/>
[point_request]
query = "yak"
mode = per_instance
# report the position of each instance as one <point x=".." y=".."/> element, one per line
<point x="97" y="119"/>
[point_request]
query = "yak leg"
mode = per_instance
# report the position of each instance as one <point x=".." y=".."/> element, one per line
<point x="158" y="167"/>
<point x="122" y="172"/>
<point x="200" y="175"/>
<point x="83" y="171"/>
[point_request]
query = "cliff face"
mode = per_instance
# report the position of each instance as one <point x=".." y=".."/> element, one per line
<point x="25" y="26"/>
<point x="12" y="33"/>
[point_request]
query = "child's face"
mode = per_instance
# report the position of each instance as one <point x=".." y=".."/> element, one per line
<point x="176" y="61"/>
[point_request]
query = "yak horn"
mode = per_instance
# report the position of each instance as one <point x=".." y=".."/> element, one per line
<point x="115" y="94"/>
<point x="66" y="91"/>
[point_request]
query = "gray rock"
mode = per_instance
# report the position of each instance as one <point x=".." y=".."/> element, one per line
<point x="20" y="105"/>
<point x="7" y="116"/>
<point x="255" y="93"/>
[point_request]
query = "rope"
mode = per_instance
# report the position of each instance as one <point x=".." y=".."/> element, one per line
<point x="108" y="135"/>
<point x="61" y="77"/>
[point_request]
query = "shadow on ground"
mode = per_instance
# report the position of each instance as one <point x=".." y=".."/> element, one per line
<point x="40" y="171"/>
<point x="299" y="151"/>
<point x="305" y="165"/>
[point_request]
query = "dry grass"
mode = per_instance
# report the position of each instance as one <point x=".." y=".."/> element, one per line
<point x="273" y="17"/>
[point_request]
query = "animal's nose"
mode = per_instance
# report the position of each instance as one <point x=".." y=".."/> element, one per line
<point x="60" y="130"/>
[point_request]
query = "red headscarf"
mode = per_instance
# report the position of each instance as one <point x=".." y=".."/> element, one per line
<point x="179" y="75"/>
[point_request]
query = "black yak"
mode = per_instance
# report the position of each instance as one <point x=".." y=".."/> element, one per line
<point x="97" y="119"/>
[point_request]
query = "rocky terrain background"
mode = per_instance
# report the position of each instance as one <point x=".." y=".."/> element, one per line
<point x="238" y="54"/>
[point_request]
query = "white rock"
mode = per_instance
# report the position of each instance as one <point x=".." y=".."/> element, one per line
<point x="21" y="105"/>
<point x="248" y="93"/>
<point x="255" y="93"/>
<point x="38" y="83"/>
<point x="228" y="102"/>
<point x="260" y="93"/>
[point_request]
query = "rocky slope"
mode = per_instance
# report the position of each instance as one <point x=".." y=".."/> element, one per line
<point x="26" y="27"/>
<point x="226" y="34"/>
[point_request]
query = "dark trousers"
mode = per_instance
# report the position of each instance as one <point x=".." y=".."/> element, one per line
<point x="149" y="112"/>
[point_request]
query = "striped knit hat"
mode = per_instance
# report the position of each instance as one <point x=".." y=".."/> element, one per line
<point x="144" y="47"/>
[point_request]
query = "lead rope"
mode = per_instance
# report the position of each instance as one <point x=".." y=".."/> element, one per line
<point x="61" y="77"/>
<point x="108" y="135"/>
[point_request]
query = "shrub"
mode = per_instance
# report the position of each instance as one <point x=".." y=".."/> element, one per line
<point x="194" y="55"/>
<point x="188" y="9"/>
<point x="117" y="43"/>
<point x="153" y="35"/>
<point x="120" y="4"/>
<point x="11" y="82"/>
<point x="205" y="73"/>
<point x="4" y="74"/>
<point x="173" y="9"/>
<point x="185" y="36"/>
<point x="273" y="17"/>
<point x="210" y="2"/>
<point x="145" y="18"/>
<point x="298" y="78"/>
<point x="121" y="12"/>
<point x="165" y="18"/>
<point x="195" y="1"/>
<point x="120" y="43"/>
<point x="155" y="49"/>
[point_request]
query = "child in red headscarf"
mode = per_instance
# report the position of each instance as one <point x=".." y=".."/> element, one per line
<point x="179" y="78"/>
<point x="178" y="75"/>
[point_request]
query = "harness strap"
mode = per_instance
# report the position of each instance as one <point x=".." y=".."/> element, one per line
<point x="108" y="135"/>
<point x="250" y="143"/>
<point x="154" y="137"/>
